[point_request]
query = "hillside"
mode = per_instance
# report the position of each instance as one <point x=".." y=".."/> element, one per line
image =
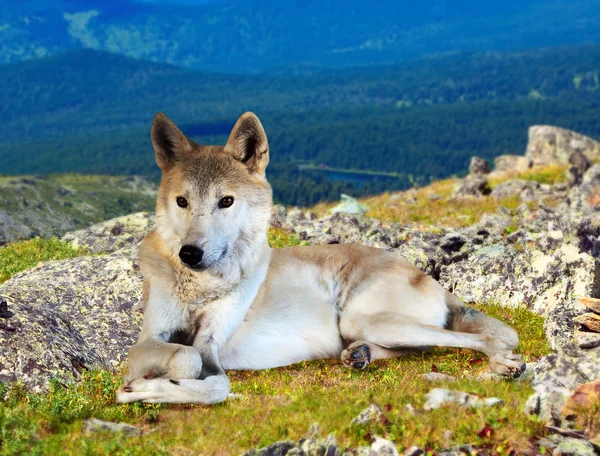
<point x="242" y="36"/>
<point x="49" y="206"/>
<point x="420" y="120"/>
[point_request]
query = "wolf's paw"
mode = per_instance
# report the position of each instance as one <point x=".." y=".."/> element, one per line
<point x="185" y="363"/>
<point x="357" y="356"/>
<point x="507" y="363"/>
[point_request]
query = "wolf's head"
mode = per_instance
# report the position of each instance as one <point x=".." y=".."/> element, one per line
<point x="214" y="202"/>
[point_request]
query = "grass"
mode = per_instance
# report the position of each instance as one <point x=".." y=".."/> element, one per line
<point x="21" y="255"/>
<point x="433" y="205"/>
<point x="282" y="403"/>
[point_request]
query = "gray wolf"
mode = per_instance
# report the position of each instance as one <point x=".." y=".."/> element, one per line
<point x="217" y="297"/>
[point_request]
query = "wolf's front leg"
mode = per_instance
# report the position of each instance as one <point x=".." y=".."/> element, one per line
<point x="155" y="359"/>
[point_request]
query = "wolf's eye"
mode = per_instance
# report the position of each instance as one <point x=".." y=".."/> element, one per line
<point x="226" y="201"/>
<point x="181" y="201"/>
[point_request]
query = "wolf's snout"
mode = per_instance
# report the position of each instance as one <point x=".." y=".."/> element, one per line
<point x="191" y="255"/>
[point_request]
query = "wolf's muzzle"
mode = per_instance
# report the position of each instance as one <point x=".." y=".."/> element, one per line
<point x="191" y="256"/>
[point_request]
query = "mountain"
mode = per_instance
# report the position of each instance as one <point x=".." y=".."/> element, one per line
<point x="240" y="36"/>
<point x="418" y="120"/>
<point x="51" y="205"/>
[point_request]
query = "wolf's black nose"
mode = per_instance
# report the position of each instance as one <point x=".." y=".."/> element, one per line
<point x="191" y="255"/>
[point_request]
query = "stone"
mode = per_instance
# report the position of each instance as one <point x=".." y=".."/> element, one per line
<point x="591" y="303"/>
<point x="479" y="166"/>
<point x="471" y="186"/>
<point x="511" y="163"/>
<point x="95" y="425"/>
<point x="553" y="145"/>
<point x="68" y="316"/>
<point x="438" y="397"/>
<point x="579" y="164"/>
<point x="113" y="234"/>
<point x="349" y="205"/>
<point x="372" y="413"/>
<point x="590" y="320"/>
<point x="584" y="396"/>
<point x="414" y="451"/>
<point x="383" y="447"/>
<point x="587" y="340"/>
<point x="513" y="187"/>
<point x="574" y="447"/>
<point x="437" y="377"/>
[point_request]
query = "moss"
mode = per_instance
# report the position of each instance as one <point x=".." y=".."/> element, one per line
<point x="21" y="255"/>
<point x="279" y="238"/>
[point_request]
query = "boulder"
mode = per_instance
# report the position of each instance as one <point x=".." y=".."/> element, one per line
<point x="553" y="145"/>
<point x="113" y="234"/>
<point x="479" y="166"/>
<point x="349" y="205"/>
<point x="511" y="163"/>
<point x="579" y="164"/>
<point x="514" y="187"/>
<point x="471" y="186"/>
<point x="65" y="316"/>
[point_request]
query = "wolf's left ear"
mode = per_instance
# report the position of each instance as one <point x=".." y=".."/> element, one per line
<point x="248" y="143"/>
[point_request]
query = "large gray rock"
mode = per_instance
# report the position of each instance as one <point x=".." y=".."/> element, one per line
<point x="554" y="145"/>
<point x="65" y="316"/>
<point x="113" y="234"/>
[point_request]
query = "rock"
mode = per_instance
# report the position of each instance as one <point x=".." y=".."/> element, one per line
<point x="350" y="205"/>
<point x="439" y="397"/>
<point x="574" y="447"/>
<point x="550" y="145"/>
<point x="579" y="165"/>
<point x="590" y="320"/>
<point x="436" y="376"/>
<point x="587" y="340"/>
<point x="589" y="190"/>
<point x="513" y="187"/>
<point x="372" y="413"/>
<point x="584" y="396"/>
<point x="591" y="303"/>
<point x="67" y="316"/>
<point x="113" y="234"/>
<point x="511" y="163"/>
<point x="278" y="215"/>
<point x="95" y="425"/>
<point x="471" y="186"/>
<point x="479" y="166"/>
<point x="414" y="451"/>
<point x="383" y="447"/>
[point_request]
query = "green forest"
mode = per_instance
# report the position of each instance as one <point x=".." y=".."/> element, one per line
<point x="90" y="112"/>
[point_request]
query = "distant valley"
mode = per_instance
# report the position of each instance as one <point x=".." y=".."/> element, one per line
<point x="90" y="112"/>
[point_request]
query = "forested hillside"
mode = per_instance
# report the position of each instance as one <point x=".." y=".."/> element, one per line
<point x="252" y="36"/>
<point x="421" y="119"/>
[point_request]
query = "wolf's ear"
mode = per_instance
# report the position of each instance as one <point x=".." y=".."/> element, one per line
<point x="168" y="141"/>
<point x="248" y="143"/>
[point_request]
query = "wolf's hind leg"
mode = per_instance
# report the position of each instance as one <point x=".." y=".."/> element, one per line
<point x="360" y="353"/>
<point x="500" y="338"/>
<point x="395" y="332"/>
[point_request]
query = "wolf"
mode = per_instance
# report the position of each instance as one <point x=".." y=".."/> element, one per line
<point x="217" y="297"/>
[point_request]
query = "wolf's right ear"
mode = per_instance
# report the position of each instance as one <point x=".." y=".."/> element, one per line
<point x="168" y="141"/>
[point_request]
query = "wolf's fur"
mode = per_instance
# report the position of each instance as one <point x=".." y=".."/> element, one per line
<point x="246" y="306"/>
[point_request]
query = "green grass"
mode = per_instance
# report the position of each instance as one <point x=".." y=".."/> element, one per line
<point x="21" y="255"/>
